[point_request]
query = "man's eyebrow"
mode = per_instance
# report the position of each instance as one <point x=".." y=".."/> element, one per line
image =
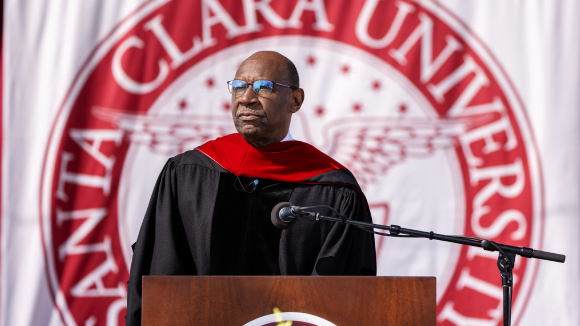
<point x="254" y="79"/>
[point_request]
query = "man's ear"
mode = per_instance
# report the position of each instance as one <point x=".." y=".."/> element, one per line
<point x="297" y="100"/>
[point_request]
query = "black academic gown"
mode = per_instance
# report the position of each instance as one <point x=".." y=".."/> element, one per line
<point x="204" y="220"/>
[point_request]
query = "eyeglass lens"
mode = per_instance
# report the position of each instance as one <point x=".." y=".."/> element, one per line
<point x="261" y="87"/>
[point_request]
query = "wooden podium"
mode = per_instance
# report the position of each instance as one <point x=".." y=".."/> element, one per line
<point x="237" y="300"/>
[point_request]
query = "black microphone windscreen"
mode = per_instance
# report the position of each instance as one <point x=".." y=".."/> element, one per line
<point x="275" y="216"/>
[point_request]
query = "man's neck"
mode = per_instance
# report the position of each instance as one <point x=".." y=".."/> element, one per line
<point x="288" y="137"/>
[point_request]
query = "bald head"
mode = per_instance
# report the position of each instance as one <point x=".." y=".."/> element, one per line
<point x="284" y="66"/>
<point x="265" y="119"/>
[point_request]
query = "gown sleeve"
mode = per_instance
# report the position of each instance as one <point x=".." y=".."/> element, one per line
<point x="347" y="249"/>
<point x="326" y="247"/>
<point x="161" y="247"/>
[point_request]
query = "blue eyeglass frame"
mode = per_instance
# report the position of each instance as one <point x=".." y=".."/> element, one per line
<point x="259" y="91"/>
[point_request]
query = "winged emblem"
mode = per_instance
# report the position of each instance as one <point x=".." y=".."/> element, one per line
<point x="368" y="147"/>
<point x="166" y="134"/>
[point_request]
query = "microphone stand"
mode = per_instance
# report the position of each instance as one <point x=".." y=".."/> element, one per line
<point x="505" y="260"/>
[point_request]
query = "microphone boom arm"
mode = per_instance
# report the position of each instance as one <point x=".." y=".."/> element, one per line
<point x="482" y="243"/>
<point x="285" y="214"/>
<point x="505" y="261"/>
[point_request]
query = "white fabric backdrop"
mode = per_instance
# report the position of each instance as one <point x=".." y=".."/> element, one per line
<point x="46" y="43"/>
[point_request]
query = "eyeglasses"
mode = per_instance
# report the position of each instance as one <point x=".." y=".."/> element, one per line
<point x="261" y="87"/>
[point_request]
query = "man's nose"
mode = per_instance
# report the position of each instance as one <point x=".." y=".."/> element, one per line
<point x="249" y="96"/>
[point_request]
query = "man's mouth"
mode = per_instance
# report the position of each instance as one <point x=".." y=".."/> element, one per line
<point x="249" y="116"/>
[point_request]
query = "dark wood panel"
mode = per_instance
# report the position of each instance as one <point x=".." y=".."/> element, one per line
<point x="236" y="300"/>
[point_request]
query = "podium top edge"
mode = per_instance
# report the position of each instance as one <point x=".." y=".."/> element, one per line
<point x="285" y="276"/>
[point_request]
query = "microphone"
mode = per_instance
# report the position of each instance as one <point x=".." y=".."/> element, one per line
<point x="284" y="214"/>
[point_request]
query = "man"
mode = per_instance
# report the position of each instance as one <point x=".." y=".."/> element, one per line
<point x="210" y="210"/>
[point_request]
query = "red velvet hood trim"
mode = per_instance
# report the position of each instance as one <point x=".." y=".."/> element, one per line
<point x="289" y="161"/>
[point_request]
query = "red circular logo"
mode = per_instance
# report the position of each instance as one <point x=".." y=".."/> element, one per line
<point x="400" y="92"/>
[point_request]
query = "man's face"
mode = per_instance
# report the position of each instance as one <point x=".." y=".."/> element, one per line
<point x="264" y="120"/>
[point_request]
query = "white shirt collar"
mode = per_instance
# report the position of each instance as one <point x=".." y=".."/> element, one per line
<point x="288" y="137"/>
